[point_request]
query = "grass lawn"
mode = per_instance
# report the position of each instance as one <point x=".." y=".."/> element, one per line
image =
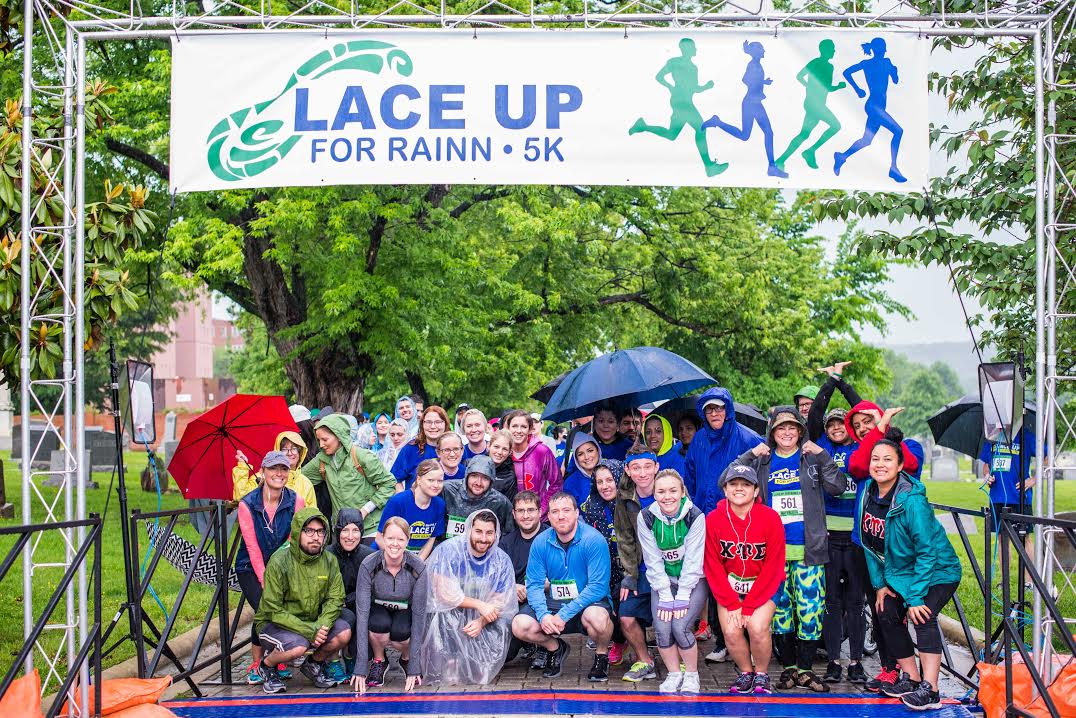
<point x="166" y="582"/>
<point x="967" y="494"/>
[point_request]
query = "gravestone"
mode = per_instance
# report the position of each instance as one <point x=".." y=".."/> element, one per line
<point x="944" y="468"/>
<point x="6" y="419"/>
<point x="1066" y="554"/>
<point x="49" y="442"/>
<point x="102" y="447"/>
<point x="947" y="521"/>
<point x="7" y="511"/>
<point x="56" y="467"/>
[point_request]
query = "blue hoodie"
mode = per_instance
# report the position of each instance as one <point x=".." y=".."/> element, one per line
<point x="586" y="562"/>
<point x="578" y="482"/>
<point x="712" y="450"/>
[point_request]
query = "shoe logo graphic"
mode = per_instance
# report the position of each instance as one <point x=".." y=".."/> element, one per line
<point x="248" y="142"/>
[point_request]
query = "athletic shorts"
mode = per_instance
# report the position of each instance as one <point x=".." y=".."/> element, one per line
<point x="274" y="638"/>
<point x="575" y="625"/>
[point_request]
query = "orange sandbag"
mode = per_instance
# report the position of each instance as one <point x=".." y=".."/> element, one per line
<point x="146" y="710"/>
<point x="992" y="691"/>
<point x="120" y="693"/>
<point x="23" y="698"/>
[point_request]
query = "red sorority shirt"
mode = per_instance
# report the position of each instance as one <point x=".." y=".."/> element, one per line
<point x="744" y="556"/>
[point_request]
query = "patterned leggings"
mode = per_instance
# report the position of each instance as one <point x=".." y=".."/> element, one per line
<point x="801" y="601"/>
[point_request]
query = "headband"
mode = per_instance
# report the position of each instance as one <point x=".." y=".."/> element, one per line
<point x="637" y="457"/>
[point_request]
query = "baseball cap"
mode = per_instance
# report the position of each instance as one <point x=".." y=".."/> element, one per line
<point x="481" y="464"/>
<point x="834" y="414"/>
<point x="740" y="471"/>
<point x="462" y="407"/>
<point x="275" y="458"/>
<point x="712" y="402"/>
<point x="299" y="413"/>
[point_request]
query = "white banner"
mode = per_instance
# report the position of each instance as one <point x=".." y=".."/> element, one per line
<point x="836" y="109"/>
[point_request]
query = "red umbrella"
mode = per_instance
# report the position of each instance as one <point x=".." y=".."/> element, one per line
<point x="203" y="462"/>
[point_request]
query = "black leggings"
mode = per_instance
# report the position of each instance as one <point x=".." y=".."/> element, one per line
<point x="846" y="576"/>
<point x="252" y="591"/>
<point x="395" y="623"/>
<point x="927" y="635"/>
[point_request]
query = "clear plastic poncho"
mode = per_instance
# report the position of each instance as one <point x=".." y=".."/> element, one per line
<point x="449" y="655"/>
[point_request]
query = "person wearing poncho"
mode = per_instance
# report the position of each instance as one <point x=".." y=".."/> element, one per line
<point x="470" y="606"/>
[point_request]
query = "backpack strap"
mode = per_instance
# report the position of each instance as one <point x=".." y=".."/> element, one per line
<point x="355" y="461"/>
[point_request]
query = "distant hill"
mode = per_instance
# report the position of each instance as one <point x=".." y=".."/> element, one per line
<point x="958" y="355"/>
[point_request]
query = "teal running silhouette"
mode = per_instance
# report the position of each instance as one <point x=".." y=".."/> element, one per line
<point x="878" y="71"/>
<point x="817" y="77"/>
<point x="248" y="142"/>
<point x="683" y="85"/>
<point x="752" y="111"/>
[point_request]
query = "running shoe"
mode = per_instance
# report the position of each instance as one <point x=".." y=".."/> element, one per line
<point x="856" y="674"/>
<point x="691" y="683"/>
<point x="833" y="673"/>
<point x="541" y="658"/>
<point x="901" y="687"/>
<point x="718" y="655"/>
<point x="315" y="671"/>
<point x="599" y="672"/>
<point x="640" y="671"/>
<point x="672" y="682"/>
<point x="375" y="674"/>
<point x="885" y="677"/>
<point x="254" y="676"/>
<point x="744" y="683"/>
<point x="272" y="682"/>
<point x="703" y="633"/>
<point x="616" y="654"/>
<point x="284" y="671"/>
<point x="923" y="698"/>
<point x="334" y="671"/>
<point x="555" y="664"/>
<point x="762" y="684"/>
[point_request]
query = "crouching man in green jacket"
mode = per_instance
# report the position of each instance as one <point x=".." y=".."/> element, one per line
<point x="301" y="603"/>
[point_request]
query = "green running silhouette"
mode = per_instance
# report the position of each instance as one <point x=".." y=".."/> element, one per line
<point x="683" y="85"/>
<point x="817" y="77"/>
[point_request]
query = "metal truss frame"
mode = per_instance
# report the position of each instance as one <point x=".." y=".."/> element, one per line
<point x="56" y="35"/>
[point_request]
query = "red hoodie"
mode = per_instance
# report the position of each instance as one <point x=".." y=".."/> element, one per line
<point x="859" y="463"/>
<point x="749" y="549"/>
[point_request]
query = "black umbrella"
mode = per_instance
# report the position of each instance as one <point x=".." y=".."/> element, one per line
<point x="748" y="415"/>
<point x="546" y="392"/>
<point x="959" y="425"/>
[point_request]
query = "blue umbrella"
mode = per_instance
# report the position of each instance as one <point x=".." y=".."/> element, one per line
<point x="625" y="378"/>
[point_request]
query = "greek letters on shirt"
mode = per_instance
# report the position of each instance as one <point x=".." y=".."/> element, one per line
<point x="874" y="525"/>
<point x="742" y="550"/>
<point x="528" y="482"/>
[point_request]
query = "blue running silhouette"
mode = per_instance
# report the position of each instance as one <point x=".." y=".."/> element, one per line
<point x="878" y="70"/>
<point x="755" y="79"/>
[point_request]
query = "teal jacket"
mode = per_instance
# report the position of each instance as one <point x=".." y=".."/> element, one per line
<point x="918" y="554"/>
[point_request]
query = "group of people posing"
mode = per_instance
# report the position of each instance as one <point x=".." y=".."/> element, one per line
<point x="476" y="546"/>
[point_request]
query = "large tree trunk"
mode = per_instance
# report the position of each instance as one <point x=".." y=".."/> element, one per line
<point x="337" y="376"/>
<point x="323" y="382"/>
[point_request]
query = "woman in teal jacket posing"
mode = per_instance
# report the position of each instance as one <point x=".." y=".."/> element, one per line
<point x="913" y="569"/>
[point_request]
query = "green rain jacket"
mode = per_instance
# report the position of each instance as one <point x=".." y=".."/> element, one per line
<point x="356" y="477"/>
<point x="301" y="592"/>
<point x="918" y="554"/>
